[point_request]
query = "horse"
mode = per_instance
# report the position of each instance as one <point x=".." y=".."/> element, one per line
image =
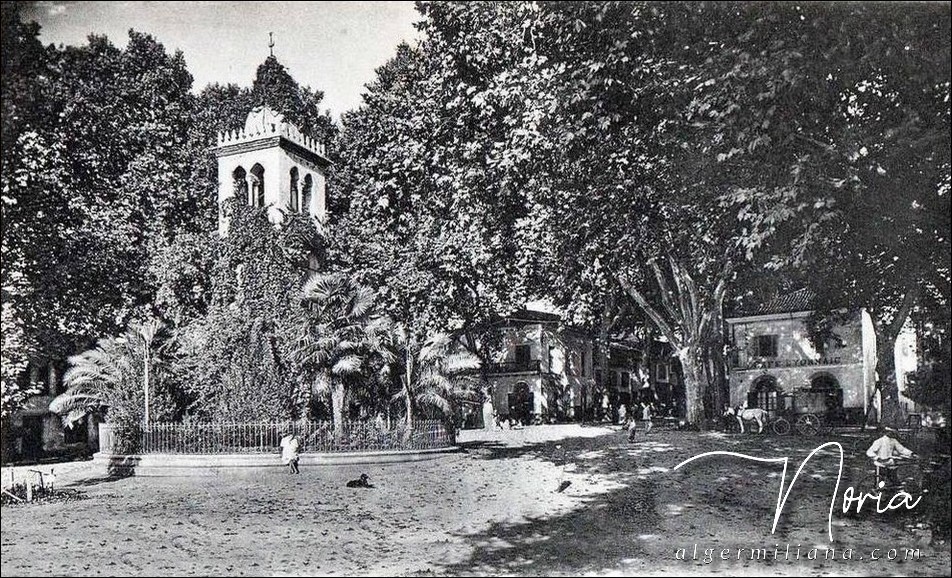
<point x="749" y="414"/>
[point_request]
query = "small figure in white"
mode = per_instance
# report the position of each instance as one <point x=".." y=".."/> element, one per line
<point x="646" y="410"/>
<point x="289" y="452"/>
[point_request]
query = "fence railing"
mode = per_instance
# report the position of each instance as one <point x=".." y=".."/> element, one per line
<point x="265" y="437"/>
<point x="524" y="366"/>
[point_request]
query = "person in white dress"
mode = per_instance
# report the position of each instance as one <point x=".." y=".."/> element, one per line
<point x="289" y="452"/>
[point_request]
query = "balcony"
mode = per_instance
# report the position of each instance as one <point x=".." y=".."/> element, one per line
<point x="523" y="366"/>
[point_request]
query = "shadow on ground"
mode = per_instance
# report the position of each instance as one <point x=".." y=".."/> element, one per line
<point x="118" y="468"/>
<point x="623" y="528"/>
<point x="624" y="519"/>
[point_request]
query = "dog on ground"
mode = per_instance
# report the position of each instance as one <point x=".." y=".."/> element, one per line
<point x="362" y="482"/>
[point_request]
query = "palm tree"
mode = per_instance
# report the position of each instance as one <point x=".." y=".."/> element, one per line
<point x="340" y="338"/>
<point x="431" y="372"/>
<point x="111" y="376"/>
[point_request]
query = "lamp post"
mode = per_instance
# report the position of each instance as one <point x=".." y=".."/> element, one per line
<point x="147" y="332"/>
<point x="147" y="344"/>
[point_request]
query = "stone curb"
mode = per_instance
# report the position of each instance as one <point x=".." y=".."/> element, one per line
<point x="211" y="464"/>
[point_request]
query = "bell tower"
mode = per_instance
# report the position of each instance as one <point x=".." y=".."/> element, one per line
<point x="269" y="163"/>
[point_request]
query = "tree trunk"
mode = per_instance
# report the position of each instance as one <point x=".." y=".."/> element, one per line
<point x="693" y="371"/>
<point x="603" y="351"/>
<point x="886" y="335"/>
<point x="337" y="406"/>
<point x="408" y="400"/>
<point x="485" y="360"/>
<point x="891" y="412"/>
<point x="407" y="377"/>
<point x="687" y="322"/>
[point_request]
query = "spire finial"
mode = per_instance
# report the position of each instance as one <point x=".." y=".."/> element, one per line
<point x="271" y="42"/>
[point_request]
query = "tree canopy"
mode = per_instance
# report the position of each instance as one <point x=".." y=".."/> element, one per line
<point x="646" y="166"/>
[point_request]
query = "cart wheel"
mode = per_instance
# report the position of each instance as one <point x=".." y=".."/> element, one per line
<point x="808" y="424"/>
<point x="781" y="427"/>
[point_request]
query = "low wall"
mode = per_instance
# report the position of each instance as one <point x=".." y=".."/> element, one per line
<point x="215" y="464"/>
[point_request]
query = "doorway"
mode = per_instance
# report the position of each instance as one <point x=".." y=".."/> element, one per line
<point x="521" y="403"/>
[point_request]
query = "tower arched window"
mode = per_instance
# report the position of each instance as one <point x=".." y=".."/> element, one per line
<point x="294" y="189"/>
<point x="240" y="180"/>
<point x="306" y="194"/>
<point x="257" y="185"/>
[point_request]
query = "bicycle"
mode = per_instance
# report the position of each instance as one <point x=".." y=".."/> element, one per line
<point x="915" y="475"/>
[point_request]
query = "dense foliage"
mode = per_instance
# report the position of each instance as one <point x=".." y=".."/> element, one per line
<point x="646" y="166"/>
<point x="644" y="157"/>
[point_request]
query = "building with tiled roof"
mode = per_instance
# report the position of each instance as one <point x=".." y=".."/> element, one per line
<point x="548" y="370"/>
<point x="795" y="301"/>
<point x="775" y="366"/>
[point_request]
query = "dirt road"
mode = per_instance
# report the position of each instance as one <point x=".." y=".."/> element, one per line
<point x="493" y="509"/>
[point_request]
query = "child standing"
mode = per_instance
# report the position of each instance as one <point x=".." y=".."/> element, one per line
<point x="631" y="429"/>
<point x="646" y="416"/>
<point x="289" y="452"/>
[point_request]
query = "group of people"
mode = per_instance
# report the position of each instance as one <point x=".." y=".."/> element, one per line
<point x="644" y="410"/>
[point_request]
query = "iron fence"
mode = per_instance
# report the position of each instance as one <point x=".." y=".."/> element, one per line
<point x="265" y="437"/>
<point x="522" y="366"/>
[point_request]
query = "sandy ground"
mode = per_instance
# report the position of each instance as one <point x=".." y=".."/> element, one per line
<point x="493" y="509"/>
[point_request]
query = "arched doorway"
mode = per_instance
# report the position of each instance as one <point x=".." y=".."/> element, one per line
<point x="521" y="402"/>
<point x="829" y="387"/>
<point x="764" y="393"/>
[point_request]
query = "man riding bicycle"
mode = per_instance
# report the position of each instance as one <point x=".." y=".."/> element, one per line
<point x="884" y="453"/>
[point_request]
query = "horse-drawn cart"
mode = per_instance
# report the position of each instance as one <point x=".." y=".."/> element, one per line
<point x="801" y="410"/>
<point x="805" y="410"/>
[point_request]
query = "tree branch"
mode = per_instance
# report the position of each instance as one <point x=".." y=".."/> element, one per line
<point x="652" y="314"/>
<point x="666" y="298"/>
<point x="689" y="306"/>
<point x="899" y="319"/>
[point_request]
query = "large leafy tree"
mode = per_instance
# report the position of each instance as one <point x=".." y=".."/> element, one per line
<point x="22" y="60"/>
<point x="846" y="111"/>
<point x="658" y="151"/>
<point x="94" y="170"/>
<point x="684" y="144"/>
<point x="608" y="156"/>
<point x="429" y="209"/>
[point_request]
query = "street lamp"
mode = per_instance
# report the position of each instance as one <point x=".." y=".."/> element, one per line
<point x="147" y="332"/>
<point x="148" y="342"/>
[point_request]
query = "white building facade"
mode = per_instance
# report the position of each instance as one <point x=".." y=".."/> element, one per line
<point x="540" y="370"/>
<point x="774" y="357"/>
